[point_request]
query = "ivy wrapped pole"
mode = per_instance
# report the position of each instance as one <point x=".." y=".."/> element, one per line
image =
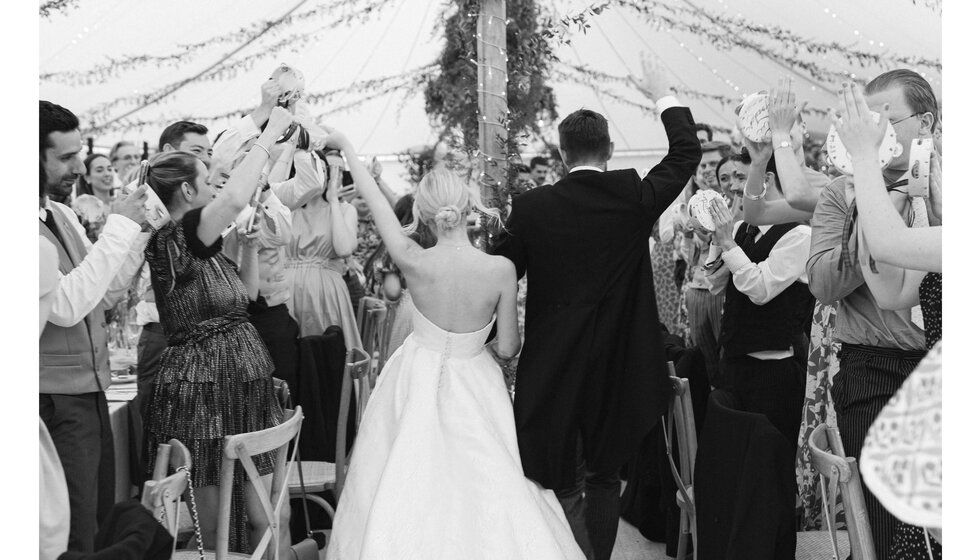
<point x="491" y="56"/>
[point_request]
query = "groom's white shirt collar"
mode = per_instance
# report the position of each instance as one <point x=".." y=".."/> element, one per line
<point x="584" y="168"/>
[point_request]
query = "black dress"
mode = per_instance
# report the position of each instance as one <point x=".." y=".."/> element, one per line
<point x="909" y="542"/>
<point x="215" y="375"/>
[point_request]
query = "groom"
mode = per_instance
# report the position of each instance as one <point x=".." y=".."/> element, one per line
<point x="592" y="379"/>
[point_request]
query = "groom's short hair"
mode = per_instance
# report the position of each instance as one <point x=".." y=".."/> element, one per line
<point x="583" y="135"/>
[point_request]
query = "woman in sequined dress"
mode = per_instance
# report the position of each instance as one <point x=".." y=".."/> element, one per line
<point x="215" y="375"/>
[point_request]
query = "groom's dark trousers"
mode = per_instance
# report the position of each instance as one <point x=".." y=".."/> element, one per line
<point x="592" y="376"/>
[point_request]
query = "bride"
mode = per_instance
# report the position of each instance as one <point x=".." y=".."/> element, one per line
<point x="435" y="471"/>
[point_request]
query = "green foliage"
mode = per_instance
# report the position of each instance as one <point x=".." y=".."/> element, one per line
<point x="450" y="93"/>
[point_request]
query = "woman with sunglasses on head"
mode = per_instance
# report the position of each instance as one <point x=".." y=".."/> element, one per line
<point x="215" y="376"/>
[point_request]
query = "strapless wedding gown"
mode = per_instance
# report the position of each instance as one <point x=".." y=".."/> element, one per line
<point x="435" y="472"/>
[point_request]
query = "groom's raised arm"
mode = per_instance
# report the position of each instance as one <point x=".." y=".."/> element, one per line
<point x="667" y="179"/>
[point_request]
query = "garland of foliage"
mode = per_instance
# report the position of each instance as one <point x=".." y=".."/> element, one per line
<point x="51" y="6"/>
<point x="344" y="13"/>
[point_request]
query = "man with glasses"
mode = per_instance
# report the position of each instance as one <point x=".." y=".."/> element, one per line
<point x="124" y="156"/>
<point x="880" y="347"/>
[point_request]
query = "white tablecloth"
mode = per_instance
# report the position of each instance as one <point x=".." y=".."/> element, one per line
<point x="120" y="397"/>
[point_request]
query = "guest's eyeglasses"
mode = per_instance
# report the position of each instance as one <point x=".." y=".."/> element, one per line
<point x="906" y="118"/>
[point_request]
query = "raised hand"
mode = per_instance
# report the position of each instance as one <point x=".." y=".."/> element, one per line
<point x="271" y="90"/>
<point x="334" y="178"/>
<point x="375" y="167"/>
<point x="279" y="121"/>
<point x="132" y="206"/>
<point x="856" y="126"/>
<point x="335" y="138"/>
<point x="783" y="112"/>
<point x="936" y="189"/>
<point x="759" y="151"/>
<point x="655" y="83"/>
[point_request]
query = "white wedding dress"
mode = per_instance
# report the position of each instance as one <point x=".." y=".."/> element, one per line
<point x="435" y="472"/>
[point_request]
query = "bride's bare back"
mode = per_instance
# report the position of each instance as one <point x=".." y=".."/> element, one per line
<point x="453" y="284"/>
<point x="458" y="288"/>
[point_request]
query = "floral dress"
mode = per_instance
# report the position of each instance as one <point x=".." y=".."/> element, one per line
<point x="822" y="365"/>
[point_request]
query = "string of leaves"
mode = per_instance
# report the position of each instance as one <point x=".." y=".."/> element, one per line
<point x="48" y="8"/>
<point x="349" y="12"/>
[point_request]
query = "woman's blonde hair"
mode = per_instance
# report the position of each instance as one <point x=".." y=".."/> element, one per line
<point x="444" y="199"/>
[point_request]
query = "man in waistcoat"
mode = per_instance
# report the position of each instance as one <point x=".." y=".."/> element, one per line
<point x="765" y="325"/>
<point x="73" y="357"/>
<point x="767" y="313"/>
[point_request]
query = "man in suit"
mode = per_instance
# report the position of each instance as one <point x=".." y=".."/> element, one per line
<point x="592" y="380"/>
<point x="73" y="357"/>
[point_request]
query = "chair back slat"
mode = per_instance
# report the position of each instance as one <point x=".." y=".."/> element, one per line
<point x="681" y="417"/>
<point x="355" y="369"/>
<point x="162" y="493"/>
<point x="242" y="447"/>
<point x="264" y="441"/>
<point x="162" y="499"/>
<point x="829" y="459"/>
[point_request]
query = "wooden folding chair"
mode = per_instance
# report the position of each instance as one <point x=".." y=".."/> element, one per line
<point x="241" y="448"/>
<point x="319" y="476"/>
<point x="837" y="472"/>
<point x="161" y="494"/>
<point x="679" y="421"/>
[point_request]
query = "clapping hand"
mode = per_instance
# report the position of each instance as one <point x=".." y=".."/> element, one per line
<point x="655" y="84"/>
<point x="856" y="126"/>
<point x="760" y="152"/>
<point x="783" y="113"/>
<point x="724" y="223"/>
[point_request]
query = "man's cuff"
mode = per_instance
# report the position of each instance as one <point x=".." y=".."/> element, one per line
<point x="273" y="205"/>
<point x="666" y="102"/>
<point x="735" y="258"/>
<point x="117" y="224"/>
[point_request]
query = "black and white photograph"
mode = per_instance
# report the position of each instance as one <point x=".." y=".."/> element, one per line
<point x="490" y="280"/>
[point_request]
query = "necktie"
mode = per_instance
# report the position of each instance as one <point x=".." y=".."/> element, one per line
<point x="750" y="234"/>
<point x="49" y="221"/>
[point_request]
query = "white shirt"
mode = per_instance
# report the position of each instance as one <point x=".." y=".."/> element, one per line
<point x="763" y="281"/>
<point x="105" y="273"/>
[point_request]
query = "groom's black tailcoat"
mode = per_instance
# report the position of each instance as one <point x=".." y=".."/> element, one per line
<point x="593" y="359"/>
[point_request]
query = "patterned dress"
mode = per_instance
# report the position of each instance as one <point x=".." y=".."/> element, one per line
<point x="822" y="365"/>
<point x="215" y="375"/>
<point x="668" y="297"/>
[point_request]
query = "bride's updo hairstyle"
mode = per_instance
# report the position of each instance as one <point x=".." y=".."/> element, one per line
<point x="168" y="170"/>
<point x="443" y="200"/>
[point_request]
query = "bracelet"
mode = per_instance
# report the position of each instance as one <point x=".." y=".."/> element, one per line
<point x="264" y="149"/>
<point x="759" y="196"/>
